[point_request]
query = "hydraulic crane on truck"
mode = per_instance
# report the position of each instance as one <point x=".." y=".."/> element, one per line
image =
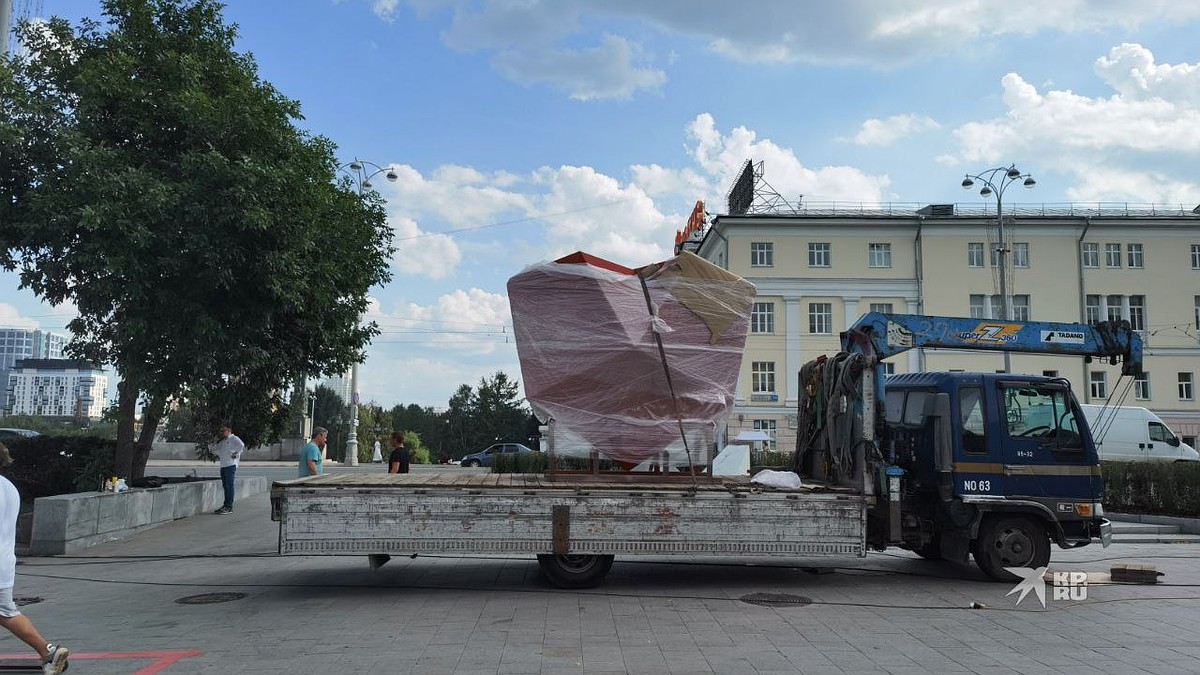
<point x="995" y="464"/>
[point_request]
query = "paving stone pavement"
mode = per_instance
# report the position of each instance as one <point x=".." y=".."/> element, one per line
<point x="115" y="607"/>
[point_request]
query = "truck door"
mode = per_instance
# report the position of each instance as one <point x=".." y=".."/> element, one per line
<point x="978" y="462"/>
<point x="1044" y="455"/>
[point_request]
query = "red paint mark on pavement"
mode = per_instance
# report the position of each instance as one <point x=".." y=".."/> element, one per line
<point x="161" y="659"/>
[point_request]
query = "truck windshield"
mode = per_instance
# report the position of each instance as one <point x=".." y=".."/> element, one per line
<point x="1041" y="412"/>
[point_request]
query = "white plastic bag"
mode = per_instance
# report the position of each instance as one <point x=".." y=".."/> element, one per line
<point x="777" y="479"/>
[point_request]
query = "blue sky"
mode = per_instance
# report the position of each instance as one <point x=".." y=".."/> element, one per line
<point x="524" y="130"/>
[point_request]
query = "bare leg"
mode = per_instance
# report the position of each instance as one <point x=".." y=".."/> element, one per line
<point x="22" y="627"/>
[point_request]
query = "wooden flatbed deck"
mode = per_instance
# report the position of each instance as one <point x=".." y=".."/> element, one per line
<point x="533" y="481"/>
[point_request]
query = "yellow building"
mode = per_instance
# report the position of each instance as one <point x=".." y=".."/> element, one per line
<point x="818" y="270"/>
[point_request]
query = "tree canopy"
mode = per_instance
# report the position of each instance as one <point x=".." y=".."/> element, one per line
<point x="163" y="188"/>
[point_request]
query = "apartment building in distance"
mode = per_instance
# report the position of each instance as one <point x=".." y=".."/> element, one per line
<point x="63" y="388"/>
<point x="20" y="343"/>
<point x="818" y="269"/>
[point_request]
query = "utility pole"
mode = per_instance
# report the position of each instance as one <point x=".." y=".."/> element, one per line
<point x="6" y="9"/>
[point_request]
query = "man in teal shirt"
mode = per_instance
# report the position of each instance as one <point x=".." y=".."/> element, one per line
<point x="310" y="456"/>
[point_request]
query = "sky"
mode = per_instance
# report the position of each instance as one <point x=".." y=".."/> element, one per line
<point x="525" y="130"/>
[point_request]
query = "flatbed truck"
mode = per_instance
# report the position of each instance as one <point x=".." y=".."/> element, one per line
<point x="939" y="463"/>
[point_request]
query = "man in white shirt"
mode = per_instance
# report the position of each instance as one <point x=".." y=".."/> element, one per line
<point x="229" y="451"/>
<point x="54" y="657"/>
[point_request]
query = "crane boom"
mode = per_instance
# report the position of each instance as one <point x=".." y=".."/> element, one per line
<point x="884" y="335"/>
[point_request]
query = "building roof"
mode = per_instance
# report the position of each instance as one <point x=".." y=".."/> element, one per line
<point x="56" y="364"/>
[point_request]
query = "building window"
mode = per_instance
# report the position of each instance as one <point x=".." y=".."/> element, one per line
<point x="1135" y="255"/>
<point x="1137" y="312"/>
<point x="975" y="254"/>
<point x="820" y="318"/>
<point x="1021" y="255"/>
<point x="1091" y="309"/>
<point x="1114" y="308"/>
<point x="881" y="307"/>
<point x="762" y="377"/>
<point x="889" y="368"/>
<point x="767" y="426"/>
<point x="1020" y="307"/>
<point x="1091" y="255"/>
<point x="1141" y="387"/>
<point x="879" y="255"/>
<point x="978" y="310"/>
<point x="819" y="255"/>
<point x="1112" y="255"/>
<point x="1099" y="382"/>
<point x="1185" y="387"/>
<point x="1197" y="300"/>
<point x="1049" y="373"/>
<point x="762" y="318"/>
<point x="997" y="310"/>
<point x="762" y="254"/>
<point x="1196" y="256"/>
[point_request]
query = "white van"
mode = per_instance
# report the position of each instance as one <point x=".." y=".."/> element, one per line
<point x="1130" y="434"/>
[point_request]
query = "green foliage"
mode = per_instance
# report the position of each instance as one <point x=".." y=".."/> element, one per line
<point x="162" y="187"/>
<point x="418" y="453"/>
<point x="44" y="466"/>
<point x="520" y="462"/>
<point x="493" y="412"/>
<point x="1160" y="488"/>
<point x="58" y="427"/>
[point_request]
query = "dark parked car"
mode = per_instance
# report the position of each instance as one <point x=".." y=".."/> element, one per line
<point x="484" y="457"/>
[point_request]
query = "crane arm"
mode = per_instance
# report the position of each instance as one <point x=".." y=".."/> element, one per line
<point x="884" y="335"/>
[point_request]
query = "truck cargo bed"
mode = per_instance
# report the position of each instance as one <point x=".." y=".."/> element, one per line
<point x="470" y="513"/>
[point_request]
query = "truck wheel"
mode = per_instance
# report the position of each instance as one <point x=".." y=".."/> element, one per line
<point x="575" y="571"/>
<point x="1010" y="541"/>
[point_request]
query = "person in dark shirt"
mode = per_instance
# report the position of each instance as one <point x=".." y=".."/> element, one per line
<point x="398" y="461"/>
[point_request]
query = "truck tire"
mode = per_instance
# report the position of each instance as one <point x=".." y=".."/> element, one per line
<point x="575" y="571"/>
<point x="1010" y="541"/>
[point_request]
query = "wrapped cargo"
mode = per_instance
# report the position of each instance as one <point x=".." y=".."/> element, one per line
<point x="587" y="333"/>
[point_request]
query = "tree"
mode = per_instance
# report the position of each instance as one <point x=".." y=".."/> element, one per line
<point x="500" y="412"/>
<point x="165" y="190"/>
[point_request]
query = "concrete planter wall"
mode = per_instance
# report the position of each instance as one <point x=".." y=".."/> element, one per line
<point x="73" y="522"/>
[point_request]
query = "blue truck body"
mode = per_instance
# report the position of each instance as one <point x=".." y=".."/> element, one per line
<point x="996" y="465"/>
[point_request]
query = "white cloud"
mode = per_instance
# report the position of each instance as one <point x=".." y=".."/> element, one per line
<point x="892" y="129"/>
<point x="423" y="254"/>
<point x="721" y="156"/>
<point x="1133" y="145"/>
<point x="10" y="317"/>
<point x="527" y="37"/>
<point x="606" y="71"/>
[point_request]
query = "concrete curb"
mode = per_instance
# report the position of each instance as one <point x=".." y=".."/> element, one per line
<point x="73" y="522"/>
<point x="1185" y="525"/>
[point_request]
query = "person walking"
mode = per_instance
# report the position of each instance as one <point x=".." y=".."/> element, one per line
<point x="310" y="457"/>
<point x="54" y="656"/>
<point x="399" y="459"/>
<point x="229" y="451"/>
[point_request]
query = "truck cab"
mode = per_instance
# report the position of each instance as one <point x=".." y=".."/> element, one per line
<point x="991" y="463"/>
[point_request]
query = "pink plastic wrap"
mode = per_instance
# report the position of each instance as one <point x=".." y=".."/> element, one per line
<point x="590" y="362"/>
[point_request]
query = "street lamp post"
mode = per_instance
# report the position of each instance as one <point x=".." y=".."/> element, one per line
<point x="993" y="187"/>
<point x="362" y="171"/>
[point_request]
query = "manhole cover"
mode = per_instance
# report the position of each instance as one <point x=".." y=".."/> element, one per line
<point x="776" y="600"/>
<point x="21" y="602"/>
<point x="210" y="598"/>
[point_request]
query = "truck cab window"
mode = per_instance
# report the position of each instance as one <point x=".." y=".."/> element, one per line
<point x="970" y="400"/>
<point x="1042" y="413"/>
